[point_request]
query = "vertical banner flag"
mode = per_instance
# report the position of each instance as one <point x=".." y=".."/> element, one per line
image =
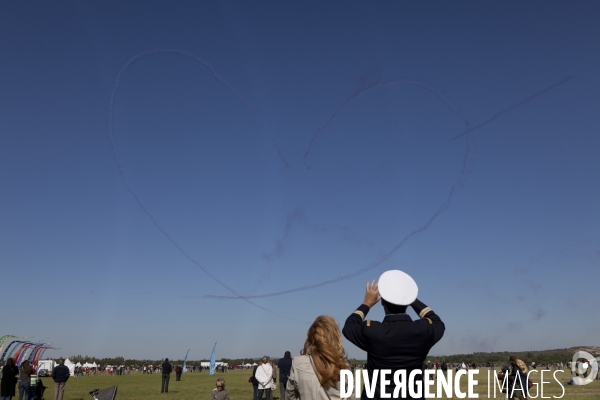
<point x="213" y="365"/>
<point x="185" y="360"/>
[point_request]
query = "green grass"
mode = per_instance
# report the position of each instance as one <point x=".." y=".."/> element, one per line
<point x="147" y="387"/>
<point x="199" y="386"/>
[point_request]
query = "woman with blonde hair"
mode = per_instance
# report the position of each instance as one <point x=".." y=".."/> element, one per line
<point x="518" y="376"/>
<point x="315" y="373"/>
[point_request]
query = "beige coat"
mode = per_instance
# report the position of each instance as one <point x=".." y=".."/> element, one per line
<point x="303" y="383"/>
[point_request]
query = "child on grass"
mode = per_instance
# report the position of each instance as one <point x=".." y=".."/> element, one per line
<point x="219" y="393"/>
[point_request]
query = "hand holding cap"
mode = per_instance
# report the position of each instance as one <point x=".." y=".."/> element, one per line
<point x="397" y="287"/>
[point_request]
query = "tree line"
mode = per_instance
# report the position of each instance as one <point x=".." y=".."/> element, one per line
<point x="540" y="357"/>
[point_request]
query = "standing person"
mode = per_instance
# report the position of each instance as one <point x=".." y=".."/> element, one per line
<point x="315" y="373"/>
<point x="219" y="393"/>
<point x="25" y="371"/>
<point x="264" y="376"/>
<point x="166" y="375"/>
<point x="274" y="375"/>
<point x="397" y="343"/>
<point x="9" y="380"/>
<point x="254" y="383"/>
<point x="60" y="375"/>
<point x="285" y="365"/>
<point x="518" y="373"/>
<point x="430" y="367"/>
<point x="178" y="371"/>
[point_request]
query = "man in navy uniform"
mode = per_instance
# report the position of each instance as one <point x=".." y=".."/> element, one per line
<point x="397" y="343"/>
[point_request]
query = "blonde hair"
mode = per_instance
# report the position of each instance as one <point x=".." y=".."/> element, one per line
<point x="324" y="344"/>
<point x="222" y="381"/>
<point x="522" y="366"/>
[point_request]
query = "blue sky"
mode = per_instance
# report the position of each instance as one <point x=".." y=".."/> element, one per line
<point x="510" y="263"/>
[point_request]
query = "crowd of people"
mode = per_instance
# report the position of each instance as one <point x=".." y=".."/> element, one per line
<point x="136" y="369"/>
<point x="396" y="343"/>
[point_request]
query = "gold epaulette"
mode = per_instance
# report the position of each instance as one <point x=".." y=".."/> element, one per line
<point x="368" y="322"/>
<point x="430" y="321"/>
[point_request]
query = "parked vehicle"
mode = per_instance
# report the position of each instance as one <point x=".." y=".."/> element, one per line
<point x="45" y="367"/>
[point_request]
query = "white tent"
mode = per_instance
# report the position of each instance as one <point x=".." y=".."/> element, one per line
<point x="206" y="364"/>
<point x="78" y="364"/>
<point x="69" y="364"/>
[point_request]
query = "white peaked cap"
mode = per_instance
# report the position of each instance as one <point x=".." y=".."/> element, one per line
<point x="398" y="287"/>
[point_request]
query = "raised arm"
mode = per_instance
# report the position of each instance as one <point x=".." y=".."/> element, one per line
<point x="353" y="328"/>
<point x="427" y="313"/>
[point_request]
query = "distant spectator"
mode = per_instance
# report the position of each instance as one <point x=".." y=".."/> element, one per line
<point x="264" y="376"/>
<point x="254" y="382"/>
<point x="25" y="371"/>
<point x="444" y="368"/>
<point x="285" y="366"/>
<point x="60" y="374"/>
<point x="518" y="376"/>
<point x="9" y="380"/>
<point x="166" y="375"/>
<point x="219" y="393"/>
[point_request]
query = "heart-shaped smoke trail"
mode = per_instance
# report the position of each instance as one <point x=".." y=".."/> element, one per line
<point x="444" y="206"/>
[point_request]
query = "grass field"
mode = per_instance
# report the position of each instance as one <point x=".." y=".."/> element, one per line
<point x="199" y="386"/>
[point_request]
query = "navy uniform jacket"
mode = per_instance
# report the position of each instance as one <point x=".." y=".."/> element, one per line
<point x="396" y="343"/>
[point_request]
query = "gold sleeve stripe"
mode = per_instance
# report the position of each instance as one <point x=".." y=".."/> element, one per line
<point x="424" y="312"/>
<point x="360" y="314"/>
